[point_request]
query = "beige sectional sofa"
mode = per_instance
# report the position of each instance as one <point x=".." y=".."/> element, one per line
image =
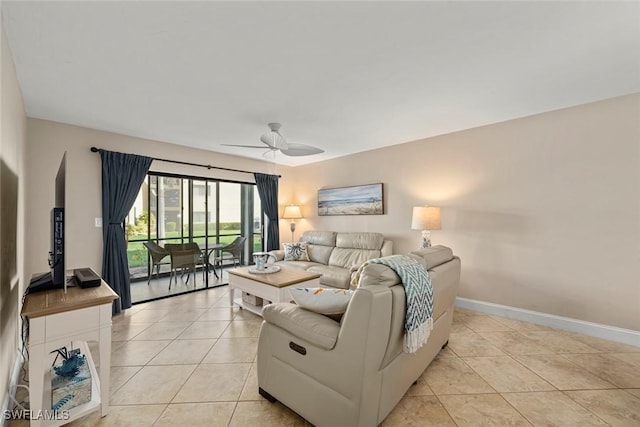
<point x="337" y="255"/>
<point x="353" y="372"/>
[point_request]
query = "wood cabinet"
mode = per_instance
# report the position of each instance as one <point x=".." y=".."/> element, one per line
<point x="58" y="319"/>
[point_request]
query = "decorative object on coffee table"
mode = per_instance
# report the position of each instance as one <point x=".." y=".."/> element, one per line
<point x="292" y="212"/>
<point x="426" y="218"/>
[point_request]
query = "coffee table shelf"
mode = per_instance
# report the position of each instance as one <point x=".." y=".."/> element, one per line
<point x="270" y="287"/>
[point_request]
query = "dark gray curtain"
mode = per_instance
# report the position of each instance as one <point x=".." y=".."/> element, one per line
<point x="268" y="192"/>
<point x="122" y="177"/>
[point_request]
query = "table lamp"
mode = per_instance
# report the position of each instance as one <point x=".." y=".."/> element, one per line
<point x="292" y="212"/>
<point x="425" y="218"/>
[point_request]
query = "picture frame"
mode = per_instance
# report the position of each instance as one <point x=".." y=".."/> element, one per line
<point x="353" y="200"/>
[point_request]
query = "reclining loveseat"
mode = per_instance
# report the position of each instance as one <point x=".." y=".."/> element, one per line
<point x="353" y="372"/>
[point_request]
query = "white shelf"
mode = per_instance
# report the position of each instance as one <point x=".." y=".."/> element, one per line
<point x="256" y="309"/>
<point x="80" y="410"/>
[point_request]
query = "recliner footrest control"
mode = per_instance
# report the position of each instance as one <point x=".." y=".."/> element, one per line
<point x="298" y="348"/>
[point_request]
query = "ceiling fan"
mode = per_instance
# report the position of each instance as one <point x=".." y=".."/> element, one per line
<point x="275" y="142"/>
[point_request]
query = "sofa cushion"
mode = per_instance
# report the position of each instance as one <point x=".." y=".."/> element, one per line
<point x="325" y="238"/>
<point x="300" y="265"/>
<point x="347" y="258"/>
<point x="322" y="300"/>
<point x="319" y="253"/>
<point x="315" y="328"/>
<point x="378" y="274"/>
<point x="332" y="276"/>
<point x="295" y="251"/>
<point x="359" y="240"/>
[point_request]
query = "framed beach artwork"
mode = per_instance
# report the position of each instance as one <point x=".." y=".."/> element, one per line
<point x="356" y="200"/>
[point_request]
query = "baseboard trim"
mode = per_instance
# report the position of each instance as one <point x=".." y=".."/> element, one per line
<point x="7" y="404"/>
<point x="611" y="333"/>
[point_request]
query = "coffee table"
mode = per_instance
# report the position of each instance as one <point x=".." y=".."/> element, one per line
<point x="272" y="287"/>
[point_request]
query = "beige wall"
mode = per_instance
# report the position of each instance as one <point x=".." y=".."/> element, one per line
<point x="544" y="211"/>
<point x="47" y="141"/>
<point x="12" y="193"/>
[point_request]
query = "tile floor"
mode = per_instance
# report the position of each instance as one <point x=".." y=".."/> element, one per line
<point x="191" y="360"/>
<point x="142" y="291"/>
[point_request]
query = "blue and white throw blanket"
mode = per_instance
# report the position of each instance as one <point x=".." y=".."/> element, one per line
<point x="417" y="287"/>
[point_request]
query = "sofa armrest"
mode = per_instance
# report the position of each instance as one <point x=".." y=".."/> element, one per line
<point x="278" y="254"/>
<point x="434" y="255"/>
<point x="315" y="328"/>
<point x="387" y="248"/>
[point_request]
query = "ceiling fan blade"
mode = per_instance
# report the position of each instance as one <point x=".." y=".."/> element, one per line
<point x="270" y="153"/>
<point x="266" y="139"/>
<point x="276" y="142"/>
<point x="301" y="150"/>
<point x="274" y="139"/>
<point x="244" y="146"/>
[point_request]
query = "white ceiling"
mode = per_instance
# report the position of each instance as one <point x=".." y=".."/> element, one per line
<point x="343" y="76"/>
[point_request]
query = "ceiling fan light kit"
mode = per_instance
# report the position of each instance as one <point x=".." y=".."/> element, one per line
<point x="275" y="142"/>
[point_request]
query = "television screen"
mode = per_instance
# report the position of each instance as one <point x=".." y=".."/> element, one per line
<point x="57" y="226"/>
<point x="55" y="279"/>
<point x="61" y="183"/>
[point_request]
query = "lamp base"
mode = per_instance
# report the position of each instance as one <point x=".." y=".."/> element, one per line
<point x="426" y="239"/>
<point x="292" y="227"/>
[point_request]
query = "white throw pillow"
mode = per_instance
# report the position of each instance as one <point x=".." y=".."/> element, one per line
<point x="322" y="300"/>
<point x="295" y="251"/>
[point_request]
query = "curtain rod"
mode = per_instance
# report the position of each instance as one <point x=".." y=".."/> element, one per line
<point x="95" y="150"/>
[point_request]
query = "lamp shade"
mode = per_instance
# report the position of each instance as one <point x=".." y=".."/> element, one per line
<point x="292" y="212"/>
<point x="425" y="218"/>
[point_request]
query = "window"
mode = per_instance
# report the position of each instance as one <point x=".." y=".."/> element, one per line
<point x="180" y="209"/>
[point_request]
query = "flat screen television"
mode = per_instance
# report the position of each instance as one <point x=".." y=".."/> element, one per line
<point x="57" y="225"/>
<point x="55" y="278"/>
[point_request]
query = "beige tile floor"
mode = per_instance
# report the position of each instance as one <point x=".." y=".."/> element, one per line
<point x="142" y="291"/>
<point x="191" y="360"/>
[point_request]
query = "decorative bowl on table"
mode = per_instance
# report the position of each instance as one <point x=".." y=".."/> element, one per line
<point x="268" y="269"/>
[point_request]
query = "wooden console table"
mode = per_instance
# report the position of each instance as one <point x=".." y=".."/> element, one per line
<point x="58" y="319"/>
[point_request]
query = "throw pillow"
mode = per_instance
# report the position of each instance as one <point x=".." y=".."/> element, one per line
<point x="296" y="251"/>
<point x="322" y="300"/>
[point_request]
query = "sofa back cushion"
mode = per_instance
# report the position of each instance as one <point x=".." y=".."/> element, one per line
<point x="444" y="270"/>
<point x="319" y="253"/>
<point x="378" y="275"/>
<point x="320" y="244"/>
<point x="372" y="241"/>
<point x="348" y="258"/>
<point x="324" y="238"/>
<point x="353" y="249"/>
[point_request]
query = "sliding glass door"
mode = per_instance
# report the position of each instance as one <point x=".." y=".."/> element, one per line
<point x="181" y="209"/>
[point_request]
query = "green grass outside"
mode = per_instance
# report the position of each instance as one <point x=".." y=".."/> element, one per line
<point x="137" y="253"/>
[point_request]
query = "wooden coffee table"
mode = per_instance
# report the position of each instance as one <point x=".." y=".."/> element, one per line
<point x="272" y="287"/>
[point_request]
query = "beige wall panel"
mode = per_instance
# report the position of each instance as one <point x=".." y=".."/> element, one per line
<point x="13" y="178"/>
<point x="47" y="143"/>
<point x="544" y="211"/>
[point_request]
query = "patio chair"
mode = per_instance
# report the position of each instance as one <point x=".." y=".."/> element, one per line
<point x="202" y="258"/>
<point x="184" y="257"/>
<point x="232" y="251"/>
<point x="157" y="253"/>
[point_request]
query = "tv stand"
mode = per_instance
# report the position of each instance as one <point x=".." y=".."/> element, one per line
<point x="58" y="319"/>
